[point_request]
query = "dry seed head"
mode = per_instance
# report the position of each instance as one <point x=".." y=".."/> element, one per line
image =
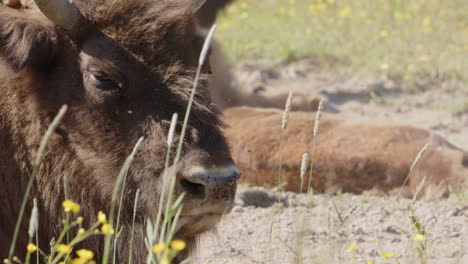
<point x="305" y="158"/>
<point x="170" y="136"/>
<point x="317" y="117"/>
<point x="287" y="109"/>
<point x="206" y="45"/>
<point x="34" y="220"/>
<point x="419" y="156"/>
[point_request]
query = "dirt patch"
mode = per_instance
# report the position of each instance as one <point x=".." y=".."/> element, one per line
<point x="309" y="228"/>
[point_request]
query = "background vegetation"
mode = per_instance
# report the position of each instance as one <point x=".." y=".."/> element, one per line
<point x="410" y="40"/>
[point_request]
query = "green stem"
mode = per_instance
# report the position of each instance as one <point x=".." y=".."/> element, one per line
<point x="36" y="167"/>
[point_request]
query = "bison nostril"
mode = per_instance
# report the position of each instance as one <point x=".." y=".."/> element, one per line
<point x="195" y="190"/>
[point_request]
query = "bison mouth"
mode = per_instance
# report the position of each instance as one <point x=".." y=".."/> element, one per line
<point x="198" y="221"/>
<point x="190" y="226"/>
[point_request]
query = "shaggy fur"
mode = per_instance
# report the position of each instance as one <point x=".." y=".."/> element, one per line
<point x="350" y="157"/>
<point x="146" y="52"/>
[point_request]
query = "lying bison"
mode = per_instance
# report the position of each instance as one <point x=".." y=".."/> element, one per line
<point x="350" y="157"/>
<point x="123" y="67"/>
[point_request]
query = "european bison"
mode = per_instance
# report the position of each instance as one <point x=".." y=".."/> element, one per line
<point x="123" y="67"/>
<point x="350" y="157"/>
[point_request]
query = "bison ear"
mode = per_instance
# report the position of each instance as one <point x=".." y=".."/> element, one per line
<point x="196" y="4"/>
<point x="24" y="41"/>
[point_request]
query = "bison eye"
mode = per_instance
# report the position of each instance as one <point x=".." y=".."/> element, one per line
<point x="101" y="81"/>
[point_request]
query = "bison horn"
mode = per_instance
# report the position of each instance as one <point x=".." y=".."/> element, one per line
<point x="61" y="12"/>
<point x="196" y="4"/>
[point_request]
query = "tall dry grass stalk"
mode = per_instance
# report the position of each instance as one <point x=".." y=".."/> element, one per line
<point x="32" y="230"/>
<point x="418" y="190"/>
<point x="413" y="166"/>
<point x="118" y="187"/>
<point x="284" y="126"/>
<point x="135" y="206"/>
<point x="318" y="115"/>
<point x="36" y="166"/>
<point x="170" y="141"/>
<point x="305" y="160"/>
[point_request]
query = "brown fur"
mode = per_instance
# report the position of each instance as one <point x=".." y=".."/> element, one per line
<point x="145" y="46"/>
<point x="350" y="157"/>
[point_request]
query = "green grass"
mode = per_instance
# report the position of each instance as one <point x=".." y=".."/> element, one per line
<point x="410" y="40"/>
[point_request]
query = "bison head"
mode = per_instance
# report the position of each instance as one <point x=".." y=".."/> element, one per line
<point x="123" y="67"/>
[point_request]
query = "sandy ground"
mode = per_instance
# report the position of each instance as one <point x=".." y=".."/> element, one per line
<point x="320" y="229"/>
<point x="258" y="230"/>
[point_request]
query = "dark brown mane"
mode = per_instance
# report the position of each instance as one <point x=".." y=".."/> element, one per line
<point x="156" y="27"/>
<point x="17" y="33"/>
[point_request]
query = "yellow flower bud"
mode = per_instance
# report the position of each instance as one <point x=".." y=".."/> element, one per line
<point x="85" y="254"/>
<point x="387" y="254"/>
<point x="107" y="229"/>
<point x="178" y="245"/>
<point x="102" y="217"/>
<point x="158" y="248"/>
<point x="70" y="206"/>
<point x="31" y="248"/>
<point x="419" y="237"/>
<point x="63" y="249"/>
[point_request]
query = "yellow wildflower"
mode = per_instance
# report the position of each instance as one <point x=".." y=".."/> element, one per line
<point x="79" y="220"/>
<point x="369" y="262"/>
<point x="63" y="249"/>
<point x="282" y="10"/>
<point x="351" y="248"/>
<point x="81" y="231"/>
<point x="85" y="254"/>
<point x="78" y="261"/>
<point x="321" y="6"/>
<point x="102" y="217"/>
<point x="6" y="261"/>
<point x="158" y="248"/>
<point x="244" y="5"/>
<point x="387" y="254"/>
<point x="383" y="34"/>
<point x="107" y="229"/>
<point x="419" y="237"/>
<point x="178" y="245"/>
<point x="313" y="9"/>
<point x="165" y="260"/>
<point x="426" y="21"/>
<point x="70" y="206"/>
<point x="31" y="248"/>
<point x="345" y="12"/>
